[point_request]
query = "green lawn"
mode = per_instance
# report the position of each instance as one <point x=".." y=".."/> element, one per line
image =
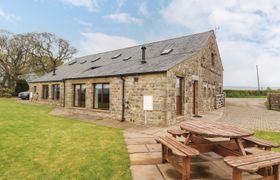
<point x="35" y="145"/>
<point x="271" y="136"/>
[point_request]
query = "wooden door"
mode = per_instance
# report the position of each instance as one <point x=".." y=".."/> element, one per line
<point x="195" y="95"/>
<point x="179" y="96"/>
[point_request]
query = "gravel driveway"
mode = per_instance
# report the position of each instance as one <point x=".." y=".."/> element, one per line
<point x="250" y="113"/>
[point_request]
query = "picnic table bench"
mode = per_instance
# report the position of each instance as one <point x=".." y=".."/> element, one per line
<point x="171" y="147"/>
<point x="255" y="162"/>
<point x="253" y="141"/>
<point x="235" y="141"/>
<point x="177" y="132"/>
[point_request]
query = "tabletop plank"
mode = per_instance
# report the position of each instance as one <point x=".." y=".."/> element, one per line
<point x="215" y="129"/>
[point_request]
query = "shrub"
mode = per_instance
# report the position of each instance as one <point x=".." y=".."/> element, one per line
<point x="21" y="86"/>
<point x="6" y="92"/>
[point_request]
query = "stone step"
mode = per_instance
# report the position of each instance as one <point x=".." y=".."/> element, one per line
<point x="145" y="158"/>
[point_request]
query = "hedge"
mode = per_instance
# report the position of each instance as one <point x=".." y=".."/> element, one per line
<point x="248" y="93"/>
<point x="6" y="92"/>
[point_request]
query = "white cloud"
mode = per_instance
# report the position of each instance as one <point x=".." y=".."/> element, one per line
<point x="91" y="5"/>
<point x="143" y="8"/>
<point x="124" y="18"/>
<point x="95" y="42"/>
<point x="12" y="18"/>
<point x="249" y="34"/>
<point x="120" y="4"/>
<point x="83" y="23"/>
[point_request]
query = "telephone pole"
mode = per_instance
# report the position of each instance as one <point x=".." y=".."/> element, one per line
<point x="258" y="77"/>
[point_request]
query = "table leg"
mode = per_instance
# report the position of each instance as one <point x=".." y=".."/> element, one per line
<point x="163" y="153"/>
<point x="237" y="174"/>
<point x="186" y="168"/>
<point x="276" y="172"/>
<point x="188" y="138"/>
<point x="240" y="146"/>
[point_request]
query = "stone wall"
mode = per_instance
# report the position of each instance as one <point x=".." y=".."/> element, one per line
<point x="211" y="75"/>
<point x="210" y="83"/>
<point x="136" y="87"/>
<point x="184" y="70"/>
<point x="49" y="100"/>
<point x="274" y="101"/>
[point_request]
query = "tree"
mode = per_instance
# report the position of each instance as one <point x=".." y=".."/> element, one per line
<point x="49" y="51"/>
<point x="14" y="54"/>
<point x="23" y="54"/>
<point x="21" y="86"/>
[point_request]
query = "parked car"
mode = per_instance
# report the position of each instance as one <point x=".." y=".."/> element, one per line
<point x="24" y="95"/>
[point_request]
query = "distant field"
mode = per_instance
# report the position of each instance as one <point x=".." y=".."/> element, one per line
<point x="247" y="93"/>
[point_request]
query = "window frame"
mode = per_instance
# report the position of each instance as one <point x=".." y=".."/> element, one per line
<point x="45" y="89"/>
<point x="56" y="96"/>
<point x="102" y="84"/>
<point x="182" y="94"/>
<point x="80" y="104"/>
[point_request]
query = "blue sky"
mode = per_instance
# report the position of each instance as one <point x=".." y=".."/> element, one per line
<point x="248" y="32"/>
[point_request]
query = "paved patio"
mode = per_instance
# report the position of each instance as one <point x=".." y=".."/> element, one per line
<point x="250" y="113"/>
<point x="145" y="156"/>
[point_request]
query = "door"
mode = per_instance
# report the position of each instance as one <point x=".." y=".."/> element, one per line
<point x="179" y="96"/>
<point x="195" y="95"/>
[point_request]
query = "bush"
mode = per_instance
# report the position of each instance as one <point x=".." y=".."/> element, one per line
<point x="6" y="92"/>
<point x="247" y="93"/>
<point x="21" y="86"/>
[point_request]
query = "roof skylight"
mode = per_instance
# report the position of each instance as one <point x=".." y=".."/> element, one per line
<point x="116" y="56"/>
<point x="72" y="62"/>
<point x="166" y="51"/>
<point x="83" y="62"/>
<point x="127" y="58"/>
<point x="96" y="59"/>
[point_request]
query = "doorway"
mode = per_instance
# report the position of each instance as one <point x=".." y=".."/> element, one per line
<point x="195" y="97"/>
<point x="179" y="96"/>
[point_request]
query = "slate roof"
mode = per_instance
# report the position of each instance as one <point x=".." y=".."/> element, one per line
<point x="183" y="48"/>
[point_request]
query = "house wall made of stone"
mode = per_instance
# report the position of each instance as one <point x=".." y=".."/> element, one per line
<point x="49" y="100"/>
<point x="211" y="75"/>
<point x="136" y="87"/>
<point x="210" y="82"/>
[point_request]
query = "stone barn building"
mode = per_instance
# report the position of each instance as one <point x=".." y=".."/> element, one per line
<point x="178" y="78"/>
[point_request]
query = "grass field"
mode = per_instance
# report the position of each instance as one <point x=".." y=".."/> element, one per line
<point x="271" y="136"/>
<point x="35" y="145"/>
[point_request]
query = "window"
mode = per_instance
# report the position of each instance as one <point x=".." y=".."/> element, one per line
<point x="79" y="95"/>
<point x="71" y="63"/>
<point x="166" y="51"/>
<point x="101" y="96"/>
<point x="179" y="96"/>
<point x="96" y="59"/>
<point x="45" y="94"/>
<point x="55" y="91"/>
<point x="116" y="56"/>
<point x="127" y="58"/>
<point x="83" y="62"/>
<point x="34" y="89"/>
<point x="213" y="59"/>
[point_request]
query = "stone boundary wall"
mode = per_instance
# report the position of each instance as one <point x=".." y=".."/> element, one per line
<point x="220" y="101"/>
<point x="274" y="101"/>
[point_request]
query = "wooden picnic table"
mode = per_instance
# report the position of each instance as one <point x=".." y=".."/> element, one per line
<point x="200" y="130"/>
<point x="200" y="138"/>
